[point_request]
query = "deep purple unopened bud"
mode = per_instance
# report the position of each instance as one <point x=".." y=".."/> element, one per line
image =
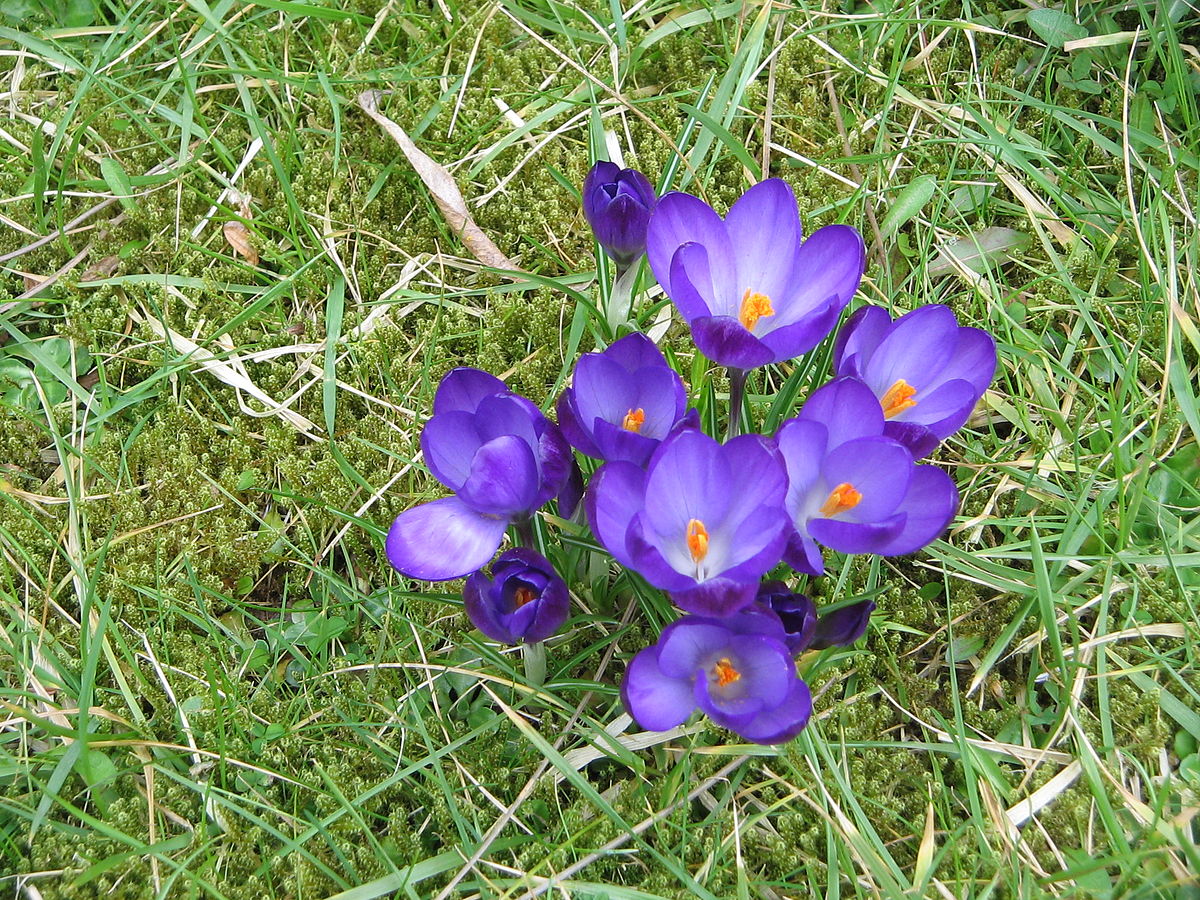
<point x="796" y="612"/>
<point x="842" y="627"/>
<point x="524" y="600"/>
<point x="617" y="203"/>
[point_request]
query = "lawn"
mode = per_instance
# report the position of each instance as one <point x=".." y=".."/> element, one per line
<point x="228" y="296"/>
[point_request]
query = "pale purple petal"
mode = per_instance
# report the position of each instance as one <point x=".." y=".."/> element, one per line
<point x="448" y="442"/>
<point x="764" y="229"/>
<point x="687" y="644"/>
<point x="679" y="219"/>
<point x="635" y="351"/>
<point x="914" y="349"/>
<point x="847" y="408"/>
<point x="603" y="389"/>
<point x="857" y="537"/>
<point x="929" y="507"/>
<point x="692" y="288"/>
<point x="974" y="359"/>
<point x="443" y="539"/>
<point x="802" y="444"/>
<point x="462" y="389"/>
<point x="858" y="338"/>
<point x="877" y="467"/>
<point x="615" y="443"/>
<point x="783" y="722"/>
<point x="656" y="702"/>
<point x="689" y="480"/>
<point x="790" y="340"/>
<point x="803" y="554"/>
<point x="571" y="426"/>
<point x="614" y="497"/>
<point x="828" y="267"/>
<point x="503" y="479"/>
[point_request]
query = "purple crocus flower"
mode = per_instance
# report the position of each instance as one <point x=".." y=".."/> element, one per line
<point x="737" y="669"/>
<point x="704" y="521"/>
<point x="926" y="370"/>
<point x="524" y="600"/>
<point x="622" y="402"/>
<point x="803" y="629"/>
<point x="502" y="458"/>
<point x="751" y="290"/>
<point x="853" y="489"/>
<point x="617" y="203"/>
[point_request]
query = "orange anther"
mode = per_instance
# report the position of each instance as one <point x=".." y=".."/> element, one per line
<point x="898" y="398"/>
<point x="754" y="307"/>
<point x="697" y="540"/>
<point x="523" y="595"/>
<point x="634" y="419"/>
<point x="841" y="498"/>
<point x="725" y="672"/>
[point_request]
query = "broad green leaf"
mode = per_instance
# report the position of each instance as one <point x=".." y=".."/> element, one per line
<point x="118" y="182"/>
<point x="910" y="202"/>
<point x="1054" y="27"/>
<point x="980" y="251"/>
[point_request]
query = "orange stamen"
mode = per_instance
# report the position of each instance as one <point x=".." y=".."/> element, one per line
<point x="697" y="540"/>
<point x="754" y="307"/>
<point x="725" y="672"/>
<point x="841" y="498"/>
<point x="634" y="419"/>
<point x="898" y="398"/>
<point x="523" y="595"/>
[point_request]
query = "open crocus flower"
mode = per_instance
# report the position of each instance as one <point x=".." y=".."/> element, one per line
<point x="617" y="204"/>
<point x="752" y="291"/>
<point x="622" y="402"/>
<point x="803" y="629"/>
<point x="737" y="669"/>
<point x="704" y="521"/>
<point x="524" y="600"/>
<point x="853" y="489"/>
<point x="502" y="458"/>
<point x="926" y="370"/>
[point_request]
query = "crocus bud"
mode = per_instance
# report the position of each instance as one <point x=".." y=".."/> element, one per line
<point x="618" y="203"/>
<point x="842" y="627"/>
<point x="524" y="600"/>
<point x="796" y="613"/>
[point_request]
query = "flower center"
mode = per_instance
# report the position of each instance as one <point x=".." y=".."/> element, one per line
<point x="841" y="498"/>
<point x="897" y="399"/>
<point x="523" y="595"/>
<point x="725" y="672"/>
<point x="697" y="540"/>
<point x="634" y="419"/>
<point x="754" y="307"/>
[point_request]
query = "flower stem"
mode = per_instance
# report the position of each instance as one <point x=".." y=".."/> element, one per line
<point x="524" y="533"/>
<point x="534" y="656"/>
<point x="737" y="393"/>
<point x="620" y="298"/>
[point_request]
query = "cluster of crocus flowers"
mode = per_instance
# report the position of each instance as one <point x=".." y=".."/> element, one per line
<point x="707" y="522"/>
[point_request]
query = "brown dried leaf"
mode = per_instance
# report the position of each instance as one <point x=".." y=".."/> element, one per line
<point x="443" y="188"/>
<point x="238" y="236"/>
<point x="101" y="269"/>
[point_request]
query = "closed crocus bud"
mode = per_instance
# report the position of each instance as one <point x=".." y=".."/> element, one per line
<point x="796" y="613"/>
<point x="617" y="203"/>
<point x="842" y="627"/>
<point x="524" y="600"/>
